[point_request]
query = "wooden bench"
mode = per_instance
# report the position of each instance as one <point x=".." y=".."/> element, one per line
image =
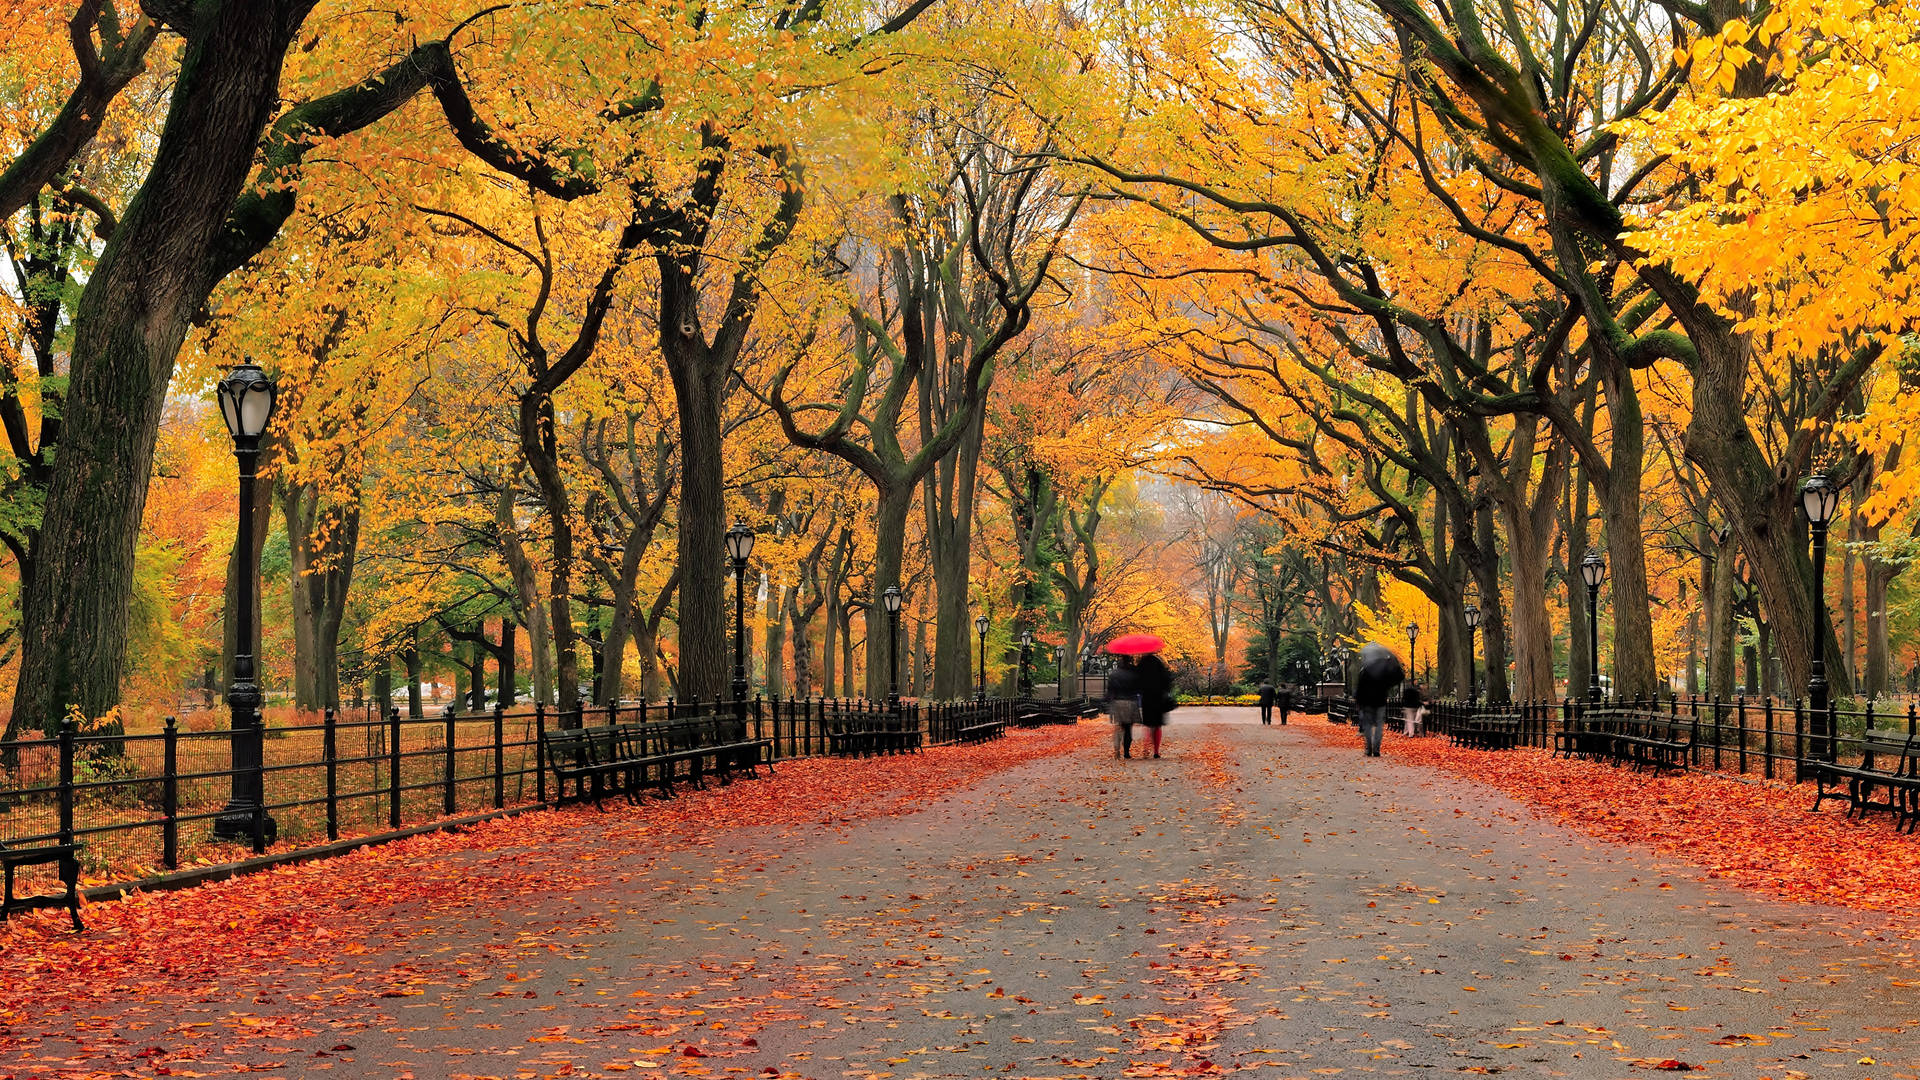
<point x="1888" y="759"/>
<point x="863" y="734"/>
<point x="982" y="731"/>
<point x="1590" y="735"/>
<point x="635" y="757"/>
<point x="65" y="856"/>
<point x="1649" y="740"/>
<point x="1487" y="732"/>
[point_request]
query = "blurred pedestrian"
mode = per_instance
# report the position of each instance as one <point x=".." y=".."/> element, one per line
<point x="1123" y="704"/>
<point x="1413" y="707"/>
<point x="1156" y="697"/>
<point x="1266" y="703"/>
<point x="1380" y="673"/>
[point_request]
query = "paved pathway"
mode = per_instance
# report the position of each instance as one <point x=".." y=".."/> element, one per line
<point x="1254" y="900"/>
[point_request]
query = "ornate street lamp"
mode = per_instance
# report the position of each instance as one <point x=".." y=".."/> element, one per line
<point x="1593" y="570"/>
<point x="1060" y="671"/>
<point x="891" y="600"/>
<point x="739" y="550"/>
<point x="1819" y="499"/>
<point x="1026" y="656"/>
<point x="246" y="404"/>
<point x="1413" y="650"/>
<point x="1086" y="657"/>
<point x="980" y="627"/>
<point x="1473" y="660"/>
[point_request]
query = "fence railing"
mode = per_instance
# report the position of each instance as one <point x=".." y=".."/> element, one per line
<point x="145" y="804"/>
<point x="1770" y="738"/>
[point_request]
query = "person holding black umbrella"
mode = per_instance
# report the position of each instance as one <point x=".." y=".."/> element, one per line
<point x="1380" y="672"/>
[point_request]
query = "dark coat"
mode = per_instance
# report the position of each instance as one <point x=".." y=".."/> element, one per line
<point x="1156" y="689"/>
<point x="1380" y="673"/>
<point x="1123" y="683"/>
<point x="1266" y="693"/>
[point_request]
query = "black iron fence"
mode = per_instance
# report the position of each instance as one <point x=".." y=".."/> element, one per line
<point x="1768" y="738"/>
<point x="142" y="805"/>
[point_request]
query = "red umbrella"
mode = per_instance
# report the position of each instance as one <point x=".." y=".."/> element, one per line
<point x="1136" y="644"/>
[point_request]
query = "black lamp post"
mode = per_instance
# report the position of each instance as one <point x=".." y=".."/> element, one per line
<point x="891" y="600"/>
<point x="1473" y="660"/>
<point x="1819" y="499"/>
<point x="1593" y="570"/>
<point x="246" y="404"/>
<point x="980" y="627"/>
<point x="1060" y="671"/>
<point x="739" y="549"/>
<point x="1026" y="657"/>
<point x="1413" y="650"/>
<point x="1086" y="657"/>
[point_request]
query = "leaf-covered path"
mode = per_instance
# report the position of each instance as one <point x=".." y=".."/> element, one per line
<point x="1258" y="900"/>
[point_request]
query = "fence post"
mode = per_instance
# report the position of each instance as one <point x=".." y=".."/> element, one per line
<point x="258" y="767"/>
<point x="539" y="748"/>
<point x="170" y="795"/>
<point x="66" y="781"/>
<point x="449" y="798"/>
<point x="499" y="756"/>
<point x="1799" y="740"/>
<point x="393" y="768"/>
<point x="330" y="750"/>
<point x="1766" y="714"/>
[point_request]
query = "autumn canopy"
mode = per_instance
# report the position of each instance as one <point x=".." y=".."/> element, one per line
<point x="1268" y="327"/>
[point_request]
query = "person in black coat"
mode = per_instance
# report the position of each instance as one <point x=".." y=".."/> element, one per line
<point x="1123" y="704"/>
<point x="1266" y="703"/>
<point x="1380" y="674"/>
<point x="1156" y="697"/>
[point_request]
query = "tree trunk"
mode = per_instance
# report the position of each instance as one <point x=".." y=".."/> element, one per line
<point x="127" y="330"/>
<point x="829" y="655"/>
<point x="948" y="499"/>
<point x="889" y="546"/>
<point x="1493" y="616"/>
<point x="526" y="590"/>
<point x="779" y="604"/>
<point x="1575" y="522"/>
<point x="509" y="687"/>
<point x="383" y="685"/>
<point x="322" y="543"/>
<point x="699" y="385"/>
<point x="411" y="658"/>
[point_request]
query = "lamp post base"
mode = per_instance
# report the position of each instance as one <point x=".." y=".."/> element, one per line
<point x="236" y="823"/>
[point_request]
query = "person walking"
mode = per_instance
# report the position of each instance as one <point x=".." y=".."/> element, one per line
<point x="1266" y="703"/>
<point x="1380" y="672"/>
<point x="1123" y="704"/>
<point x="1156" y="697"/>
<point x="1285" y="701"/>
<point x="1412" y="705"/>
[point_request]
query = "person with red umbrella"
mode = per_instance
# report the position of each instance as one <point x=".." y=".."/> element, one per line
<point x="1141" y="678"/>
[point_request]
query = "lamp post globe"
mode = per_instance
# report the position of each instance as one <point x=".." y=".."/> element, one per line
<point x="1472" y="615"/>
<point x="739" y="550"/>
<point x="890" y="599"/>
<point x="247" y="397"/>
<point x="1819" y="501"/>
<point x="980" y="627"/>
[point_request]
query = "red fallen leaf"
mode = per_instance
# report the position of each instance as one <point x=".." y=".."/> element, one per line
<point x="1673" y="1065"/>
<point x="343" y="1046"/>
<point x="693" y="1051"/>
<point x="750" y="1042"/>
